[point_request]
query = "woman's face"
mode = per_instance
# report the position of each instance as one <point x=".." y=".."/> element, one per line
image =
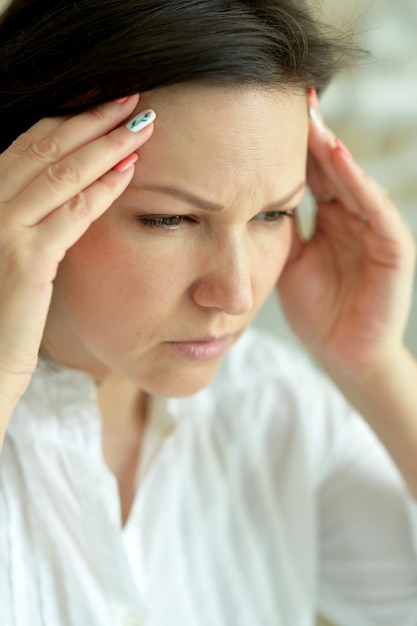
<point x="172" y="274"/>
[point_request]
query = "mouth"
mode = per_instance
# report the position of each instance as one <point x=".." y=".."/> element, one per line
<point x="201" y="348"/>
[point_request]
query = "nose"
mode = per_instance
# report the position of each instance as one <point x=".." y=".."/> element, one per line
<point x="225" y="280"/>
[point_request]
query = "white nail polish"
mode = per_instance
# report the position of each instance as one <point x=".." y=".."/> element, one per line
<point x="317" y="120"/>
<point x="140" y="121"/>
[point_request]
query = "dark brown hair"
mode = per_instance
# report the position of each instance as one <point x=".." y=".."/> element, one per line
<point x="61" y="56"/>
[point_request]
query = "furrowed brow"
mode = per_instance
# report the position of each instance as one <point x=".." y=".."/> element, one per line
<point x="286" y="199"/>
<point x="206" y="205"/>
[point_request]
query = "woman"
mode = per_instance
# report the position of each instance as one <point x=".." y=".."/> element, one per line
<point x="158" y="467"/>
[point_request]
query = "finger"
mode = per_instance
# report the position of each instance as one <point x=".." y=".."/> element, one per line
<point x="376" y="207"/>
<point x="317" y="180"/>
<point x="317" y="120"/>
<point x="323" y="143"/>
<point x="23" y="142"/>
<point x="67" y="178"/>
<point x="340" y="226"/>
<point x="336" y="172"/>
<point x="51" y="140"/>
<point x="325" y="179"/>
<point x="61" y="229"/>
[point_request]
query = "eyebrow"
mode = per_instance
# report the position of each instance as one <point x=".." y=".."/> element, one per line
<point x="206" y="205"/>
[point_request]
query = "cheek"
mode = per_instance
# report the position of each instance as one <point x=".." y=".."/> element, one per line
<point x="273" y="250"/>
<point x="98" y="279"/>
<point x="111" y="278"/>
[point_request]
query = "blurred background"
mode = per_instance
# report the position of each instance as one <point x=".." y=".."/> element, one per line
<point x="373" y="108"/>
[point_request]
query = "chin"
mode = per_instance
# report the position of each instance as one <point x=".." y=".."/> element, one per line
<point x="179" y="384"/>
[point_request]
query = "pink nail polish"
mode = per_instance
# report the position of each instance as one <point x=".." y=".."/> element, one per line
<point x="341" y="146"/>
<point x="126" y="163"/>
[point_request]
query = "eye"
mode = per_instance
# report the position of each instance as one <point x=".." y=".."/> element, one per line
<point x="274" y="217"/>
<point x="162" y="221"/>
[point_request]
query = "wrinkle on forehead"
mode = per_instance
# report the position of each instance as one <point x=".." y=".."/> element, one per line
<point x="227" y="141"/>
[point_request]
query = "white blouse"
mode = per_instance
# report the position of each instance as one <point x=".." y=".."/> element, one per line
<point x="260" y="501"/>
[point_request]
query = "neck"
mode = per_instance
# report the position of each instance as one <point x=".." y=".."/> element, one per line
<point x="122" y="404"/>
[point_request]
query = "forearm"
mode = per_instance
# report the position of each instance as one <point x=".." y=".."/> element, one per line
<point x="386" y="397"/>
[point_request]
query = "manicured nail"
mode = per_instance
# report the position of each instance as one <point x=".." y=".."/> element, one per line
<point x="316" y="117"/>
<point x="346" y="153"/>
<point x="122" y="100"/>
<point x="313" y="97"/>
<point x="141" y="120"/>
<point x="126" y="163"/>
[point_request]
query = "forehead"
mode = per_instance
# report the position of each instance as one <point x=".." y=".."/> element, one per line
<point x="238" y="137"/>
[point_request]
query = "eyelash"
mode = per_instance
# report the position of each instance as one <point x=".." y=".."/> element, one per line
<point x="172" y="222"/>
<point x="279" y="215"/>
<point x="159" y="221"/>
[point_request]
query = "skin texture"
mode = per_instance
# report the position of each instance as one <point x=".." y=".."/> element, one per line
<point x="122" y="292"/>
<point x="126" y="289"/>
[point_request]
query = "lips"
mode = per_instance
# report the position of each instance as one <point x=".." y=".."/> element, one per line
<point x="203" y="339"/>
<point x="201" y="348"/>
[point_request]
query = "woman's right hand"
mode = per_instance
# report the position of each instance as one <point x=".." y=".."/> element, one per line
<point x="56" y="179"/>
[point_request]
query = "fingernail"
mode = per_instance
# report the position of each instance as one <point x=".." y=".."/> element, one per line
<point x="122" y="100"/>
<point x="126" y="163"/>
<point x="141" y="120"/>
<point x="316" y="117"/>
<point x="341" y="146"/>
<point x="313" y="97"/>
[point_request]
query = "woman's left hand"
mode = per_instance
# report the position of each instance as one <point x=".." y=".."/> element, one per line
<point x="347" y="292"/>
